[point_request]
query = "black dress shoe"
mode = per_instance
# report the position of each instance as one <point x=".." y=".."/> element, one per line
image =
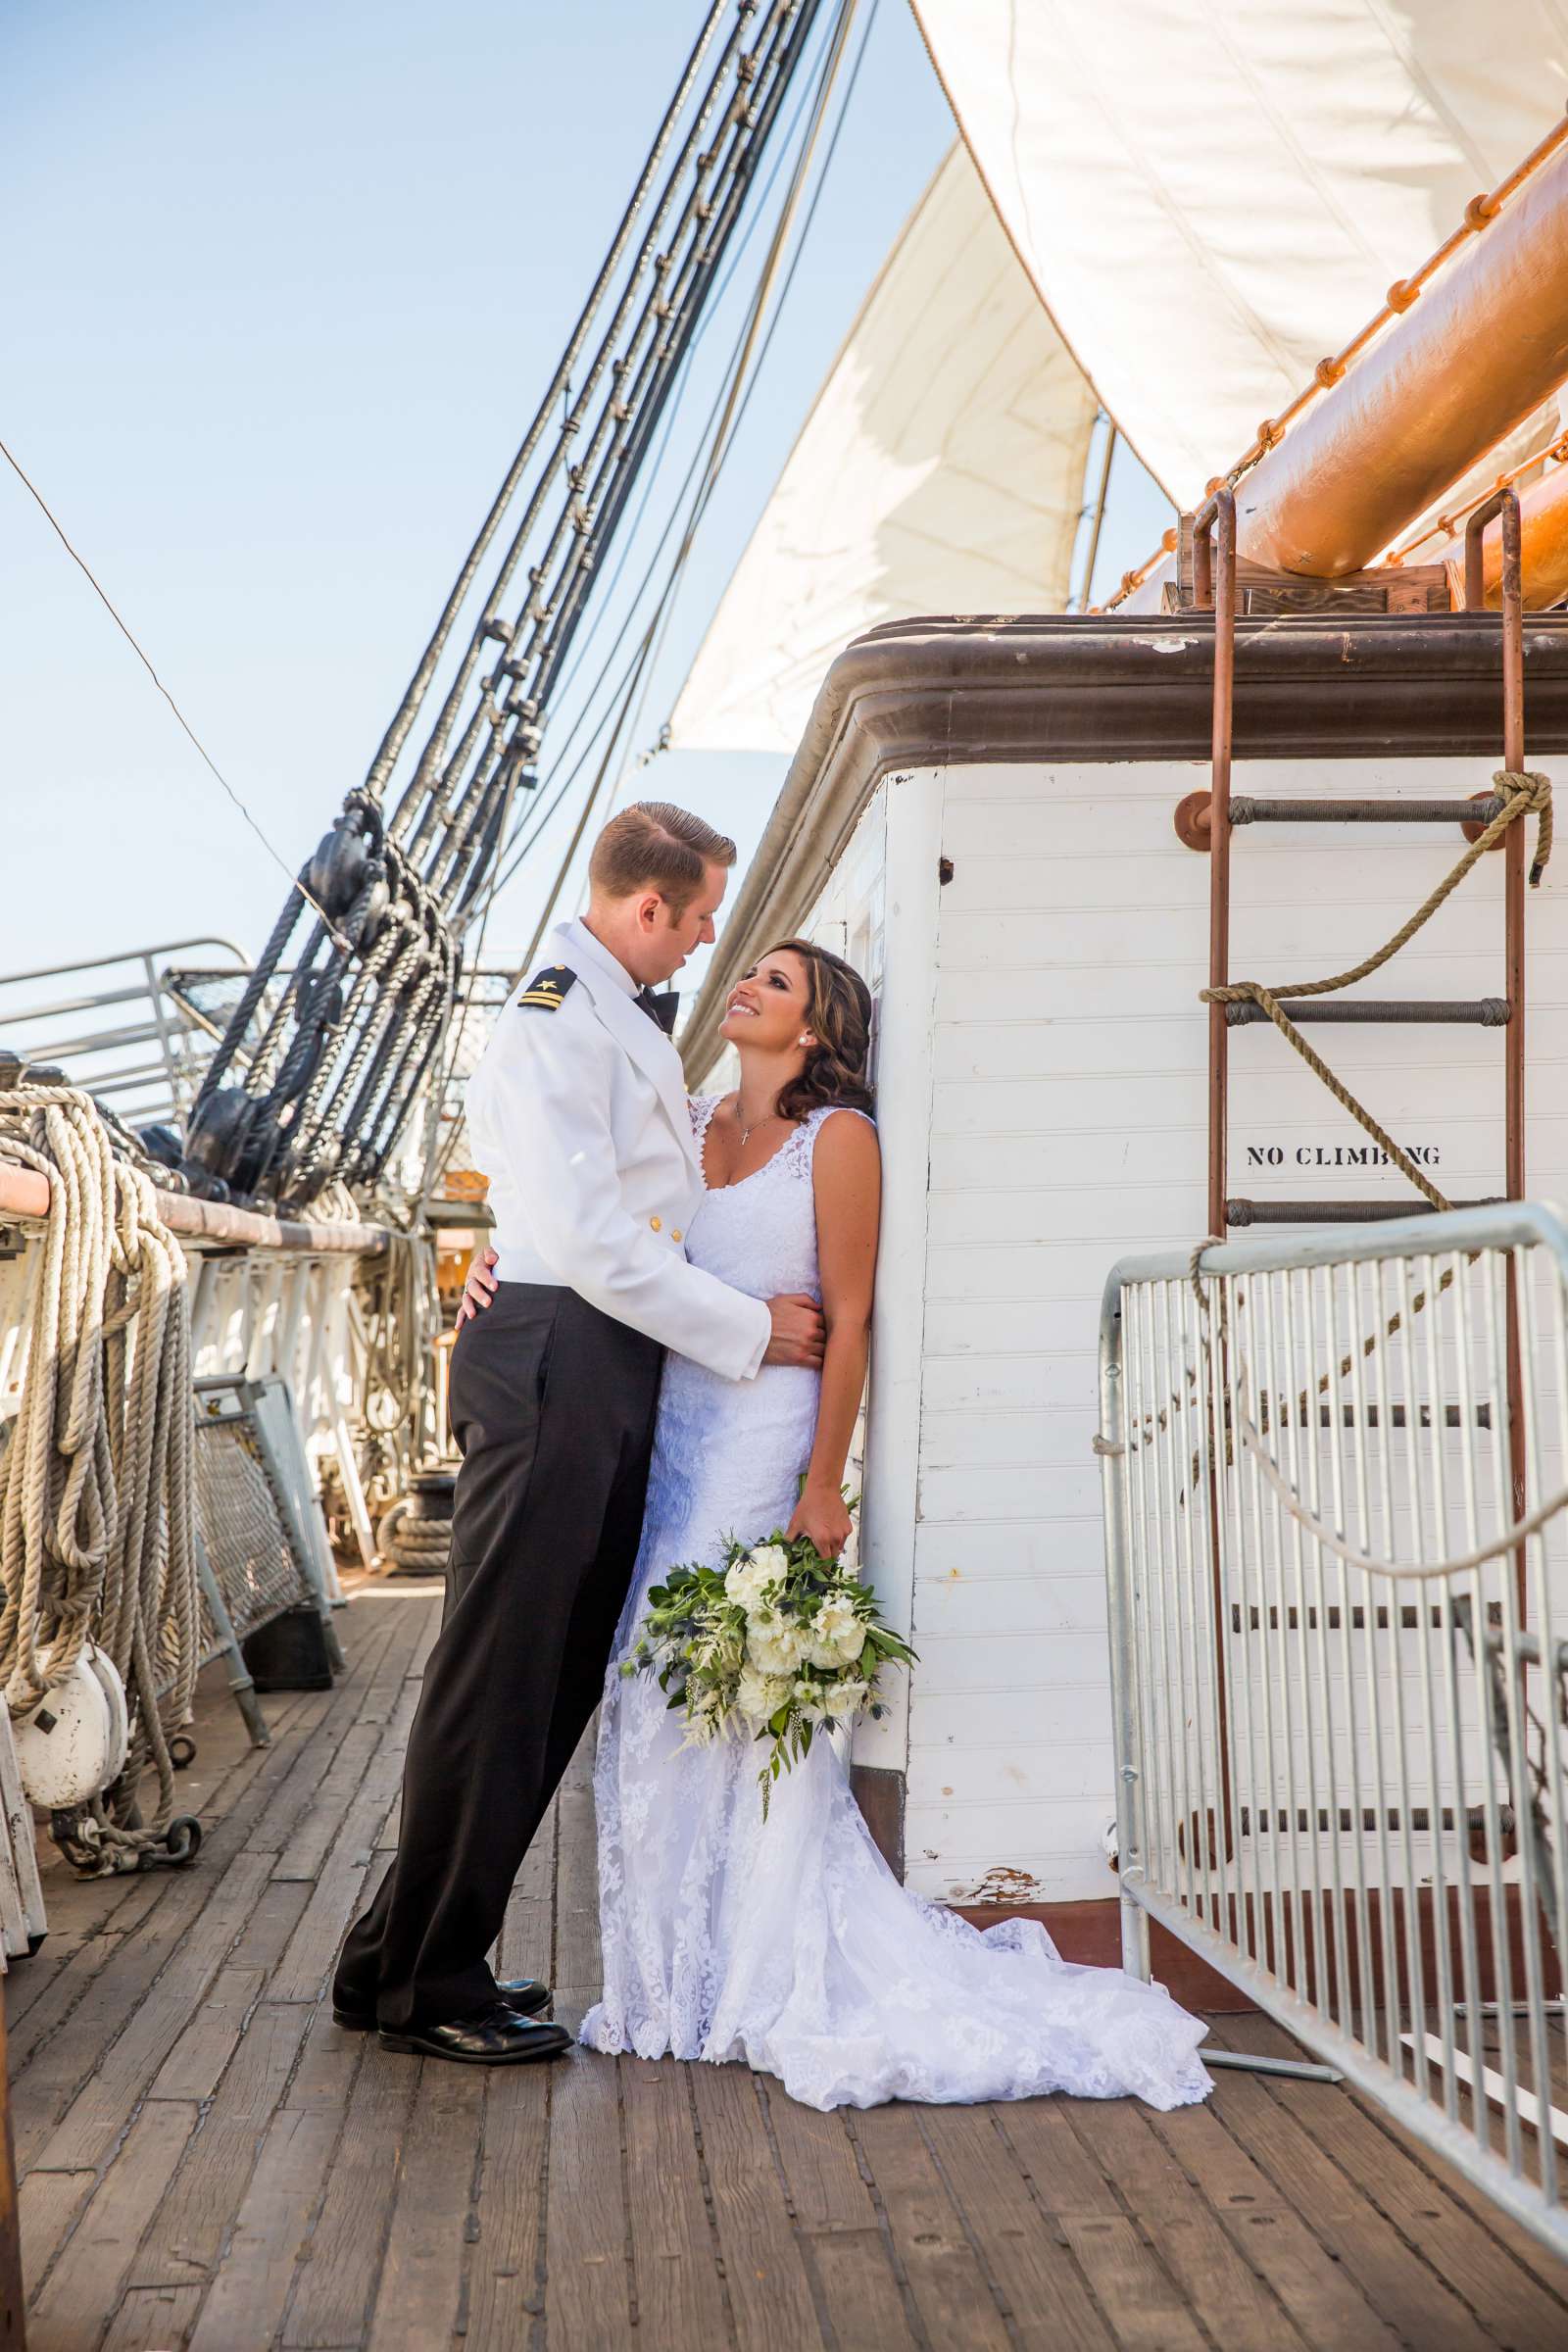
<point x="525" y="1994"/>
<point x="497" y="2037"/>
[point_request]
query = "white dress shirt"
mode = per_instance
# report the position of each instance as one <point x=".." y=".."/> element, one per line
<point x="578" y="1117"/>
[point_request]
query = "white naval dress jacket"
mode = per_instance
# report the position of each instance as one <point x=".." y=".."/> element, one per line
<point x="578" y="1118"/>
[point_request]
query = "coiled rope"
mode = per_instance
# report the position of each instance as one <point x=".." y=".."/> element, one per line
<point x="1522" y="791"/>
<point x="97" y="1520"/>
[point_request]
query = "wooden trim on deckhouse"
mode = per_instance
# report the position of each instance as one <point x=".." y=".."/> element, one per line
<point x="1055" y="687"/>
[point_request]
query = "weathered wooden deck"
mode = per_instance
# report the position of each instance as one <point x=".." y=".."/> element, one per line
<point x="208" y="2161"/>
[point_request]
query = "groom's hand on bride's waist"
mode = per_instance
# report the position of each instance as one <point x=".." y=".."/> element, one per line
<point x="800" y="1333"/>
<point x="481" y="1287"/>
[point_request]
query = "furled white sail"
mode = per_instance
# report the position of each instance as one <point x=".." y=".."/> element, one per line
<point x="1211" y="195"/>
<point x="940" y="471"/>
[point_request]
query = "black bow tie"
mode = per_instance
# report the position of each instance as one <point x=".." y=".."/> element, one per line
<point x="662" y="1009"/>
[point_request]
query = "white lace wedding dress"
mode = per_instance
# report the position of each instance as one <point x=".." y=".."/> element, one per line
<point x="791" y="1945"/>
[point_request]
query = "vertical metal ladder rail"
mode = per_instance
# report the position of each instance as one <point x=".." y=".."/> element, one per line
<point x="1215" y="582"/>
<point x="1214" y="568"/>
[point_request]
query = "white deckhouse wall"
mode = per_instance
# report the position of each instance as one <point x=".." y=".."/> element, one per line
<point x="1037" y="936"/>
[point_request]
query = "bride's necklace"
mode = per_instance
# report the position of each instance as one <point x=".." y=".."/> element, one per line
<point x="755" y="1126"/>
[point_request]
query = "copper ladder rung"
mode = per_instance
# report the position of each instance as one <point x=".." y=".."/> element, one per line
<point x="1479" y="811"/>
<point x="1336" y="1212"/>
<point x="1459" y="1012"/>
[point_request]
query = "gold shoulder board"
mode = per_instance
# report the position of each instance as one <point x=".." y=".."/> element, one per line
<point x="546" y="992"/>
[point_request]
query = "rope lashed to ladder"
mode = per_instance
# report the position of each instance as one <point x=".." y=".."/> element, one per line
<point x="96" y="1523"/>
<point x="1522" y="791"/>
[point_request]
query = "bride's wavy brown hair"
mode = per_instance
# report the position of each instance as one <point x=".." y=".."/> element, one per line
<point x="838" y="1012"/>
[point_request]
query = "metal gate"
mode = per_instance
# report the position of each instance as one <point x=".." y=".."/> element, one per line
<point x="1338" y="1569"/>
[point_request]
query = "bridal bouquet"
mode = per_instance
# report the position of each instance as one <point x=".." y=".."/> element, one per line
<point x="778" y="1640"/>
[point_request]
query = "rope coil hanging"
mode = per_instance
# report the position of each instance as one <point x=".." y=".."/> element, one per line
<point x="96" y="1521"/>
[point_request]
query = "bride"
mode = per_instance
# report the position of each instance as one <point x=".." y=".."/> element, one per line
<point x="790" y="1944"/>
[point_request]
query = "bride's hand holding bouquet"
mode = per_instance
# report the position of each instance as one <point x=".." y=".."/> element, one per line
<point x="780" y="1642"/>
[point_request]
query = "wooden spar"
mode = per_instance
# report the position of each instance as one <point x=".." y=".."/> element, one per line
<point x="24" y="1195"/>
<point x="1482" y="346"/>
<point x="1468" y="347"/>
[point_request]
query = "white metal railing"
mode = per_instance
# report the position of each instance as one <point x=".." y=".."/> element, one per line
<point x="121" y="1026"/>
<point x="1337" y="1545"/>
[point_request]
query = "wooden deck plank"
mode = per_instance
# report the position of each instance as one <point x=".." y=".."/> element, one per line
<point x="45" y="2086"/>
<point x="153" y="2318"/>
<point x="1512" y="2284"/>
<point x="322" y="2082"/>
<point x="1032" y="2264"/>
<point x="950" y="2286"/>
<point x="507" y="2271"/>
<point x="80" y="2294"/>
<point x="98" y="2113"/>
<point x="588" y="2271"/>
<point x="419" y="2304"/>
<point x="47" y="2205"/>
<point x="765" y="2262"/>
<point x="1142" y="2306"/>
<point x="1362" y="2256"/>
<point x="335" y="1897"/>
<point x="681" y="2298"/>
<point x="244" y="2306"/>
<point x="340" y="2264"/>
<point x="1212" y="2264"/>
<point x="845" y="2239"/>
<point x="199" y="2056"/>
<point x="200" y="2200"/>
<point x="577" y="1972"/>
<point x="143" y="1898"/>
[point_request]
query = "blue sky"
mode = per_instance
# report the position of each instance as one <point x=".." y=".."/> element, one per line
<point x="283" y="283"/>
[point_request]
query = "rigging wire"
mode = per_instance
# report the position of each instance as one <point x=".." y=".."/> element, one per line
<point x="735" y="400"/>
<point x="754" y="221"/>
<point x="724" y="394"/>
<point x="718" y="436"/>
<point x="86" y="571"/>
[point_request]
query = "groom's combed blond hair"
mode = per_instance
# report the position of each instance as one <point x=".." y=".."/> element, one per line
<point x="655" y="846"/>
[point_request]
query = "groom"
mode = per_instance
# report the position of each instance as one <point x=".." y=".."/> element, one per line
<point x="577" y="1112"/>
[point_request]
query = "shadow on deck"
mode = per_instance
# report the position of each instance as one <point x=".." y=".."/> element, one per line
<point x="208" y="2161"/>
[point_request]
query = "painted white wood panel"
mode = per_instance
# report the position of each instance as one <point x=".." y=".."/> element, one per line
<point x="1043" y="1057"/>
<point x="1068" y="1129"/>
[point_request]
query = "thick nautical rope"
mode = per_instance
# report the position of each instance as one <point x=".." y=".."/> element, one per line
<point x="96" y="1523"/>
<point x="1522" y="792"/>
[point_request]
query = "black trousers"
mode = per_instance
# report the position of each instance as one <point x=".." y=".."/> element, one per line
<point x="551" y="1405"/>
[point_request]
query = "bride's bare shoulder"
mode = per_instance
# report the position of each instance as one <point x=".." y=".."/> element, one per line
<point x="846" y="1145"/>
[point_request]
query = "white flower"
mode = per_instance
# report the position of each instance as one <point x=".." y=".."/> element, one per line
<point x="838" y="1635"/>
<point x="841" y="1699"/>
<point x="775" y="1643"/>
<point x="809" y="1699"/>
<point x="772" y="1645"/>
<point x="759" y="1695"/>
<point x="773" y="1561"/>
<point x="745" y="1583"/>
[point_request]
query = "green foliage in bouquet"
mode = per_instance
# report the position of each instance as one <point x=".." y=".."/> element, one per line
<point x="778" y="1643"/>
